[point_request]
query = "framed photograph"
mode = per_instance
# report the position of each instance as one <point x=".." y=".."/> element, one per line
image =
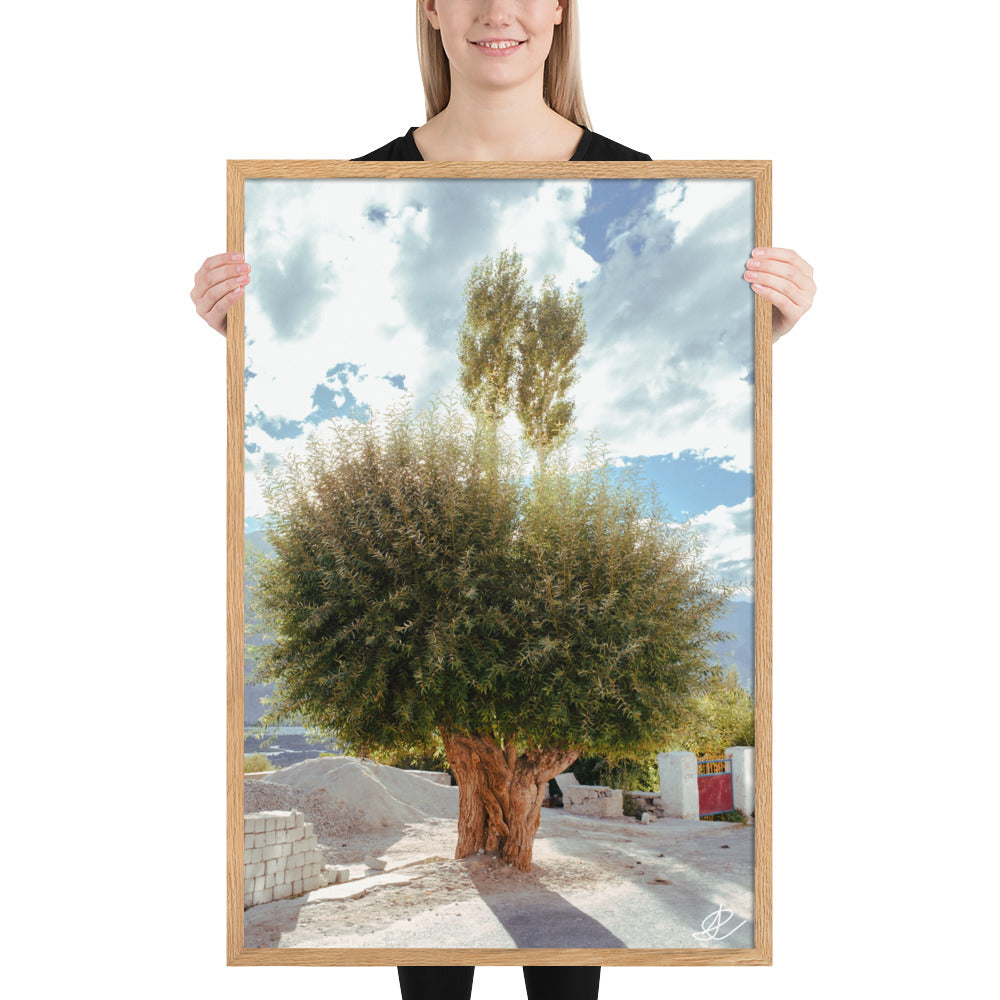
<point x="499" y="623"/>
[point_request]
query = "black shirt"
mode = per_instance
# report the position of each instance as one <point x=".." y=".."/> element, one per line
<point x="592" y="147"/>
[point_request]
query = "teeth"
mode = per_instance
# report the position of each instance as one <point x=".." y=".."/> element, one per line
<point x="498" y="45"/>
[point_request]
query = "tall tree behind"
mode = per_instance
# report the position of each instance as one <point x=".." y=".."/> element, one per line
<point x="496" y="298"/>
<point x="554" y="332"/>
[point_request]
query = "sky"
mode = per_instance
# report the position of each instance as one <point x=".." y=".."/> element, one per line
<point x="356" y="299"/>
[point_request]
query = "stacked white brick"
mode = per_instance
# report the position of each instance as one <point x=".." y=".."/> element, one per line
<point x="281" y="857"/>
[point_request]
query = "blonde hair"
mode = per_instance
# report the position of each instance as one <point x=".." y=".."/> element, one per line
<point x="562" y="89"/>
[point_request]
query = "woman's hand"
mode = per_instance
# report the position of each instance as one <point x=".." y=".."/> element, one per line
<point x="785" y="280"/>
<point x="218" y="283"/>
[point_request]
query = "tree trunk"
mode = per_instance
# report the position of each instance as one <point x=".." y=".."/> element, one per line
<point x="500" y="794"/>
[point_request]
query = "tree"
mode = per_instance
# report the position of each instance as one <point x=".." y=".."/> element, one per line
<point x="719" y="715"/>
<point x="496" y="298"/>
<point x="553" y="335"/>
<point x="518" y="349"/>
<point x="420" y="587"/>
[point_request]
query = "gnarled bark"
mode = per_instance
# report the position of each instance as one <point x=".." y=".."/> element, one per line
<point x="500" y="793"/>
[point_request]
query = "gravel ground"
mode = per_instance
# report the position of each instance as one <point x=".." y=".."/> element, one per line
<point x="659" y="880"/>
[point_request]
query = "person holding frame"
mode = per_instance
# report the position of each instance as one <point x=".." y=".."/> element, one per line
<point x="502" y="81"/>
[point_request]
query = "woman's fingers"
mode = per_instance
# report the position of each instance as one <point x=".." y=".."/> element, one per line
<point x="211" y="263"/>
<point x="786" y="313"/>
<point x="213" y="304"/>
<point x="217" y="270"/>
<point x="792" y="268"/>
<point x="783" y="256"/>
<point x="218" y="283"/>
<point x="215" y="314"/>
<point x="784" y="279"/>
<point x="759" y="266"/>
<point x="779" y="300"/>
<point x="771" y="279"/>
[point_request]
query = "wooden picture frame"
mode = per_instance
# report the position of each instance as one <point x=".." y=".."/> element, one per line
<point x="708" y="950"/>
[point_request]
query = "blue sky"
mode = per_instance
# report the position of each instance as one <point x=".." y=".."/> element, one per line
<point x="356" y="300"/>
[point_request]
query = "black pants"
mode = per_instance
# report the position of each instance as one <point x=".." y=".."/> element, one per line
<point x="543" y="982"/>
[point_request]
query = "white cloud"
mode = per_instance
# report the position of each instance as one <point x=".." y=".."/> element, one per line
<point x="729" y="539"/>
<point x="545" y="226"/>
<point x="692" y="204"/>
<point x="669" y="326"/>
<point x="670" y="329"/>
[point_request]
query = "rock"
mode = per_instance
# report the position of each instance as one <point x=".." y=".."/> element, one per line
<point x="337" y="873"/>
<point x="379" y="864"/>
<point x="593" y="800"/>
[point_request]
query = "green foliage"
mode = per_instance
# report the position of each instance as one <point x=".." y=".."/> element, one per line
<point x="719" y="715"/>
<point x="387" y="593"/>
<point x="418" y="582"/>
<point x="415" y="759"/>
<point x="554" y="333"/>
<point x="637" y="773"/>
<point x="617" y="613"/>
<point x="518" y="348"/>
<point x="733" y="816"/>
<point x="631" y="806"/>
<point x="496" y="298"/>
<point x="254" y="762"/>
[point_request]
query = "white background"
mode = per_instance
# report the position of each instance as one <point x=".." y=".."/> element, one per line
<point x="118" y="121"/>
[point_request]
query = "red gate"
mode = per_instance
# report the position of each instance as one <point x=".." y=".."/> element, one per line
<point x="715" y="786"/>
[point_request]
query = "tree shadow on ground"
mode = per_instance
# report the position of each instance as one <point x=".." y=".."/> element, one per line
<point x="551" y="921"/>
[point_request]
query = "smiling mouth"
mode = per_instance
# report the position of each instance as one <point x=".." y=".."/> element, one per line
<point x="501" y="45"/>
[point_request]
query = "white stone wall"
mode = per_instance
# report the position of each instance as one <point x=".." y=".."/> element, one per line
<point x="281" y="857"/>
<point x="743" y="788"/>
<point x="678" y="783"/>
<point x="592" y="800"/>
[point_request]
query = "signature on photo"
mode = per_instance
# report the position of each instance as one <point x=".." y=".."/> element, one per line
<point x="714" y="923"/>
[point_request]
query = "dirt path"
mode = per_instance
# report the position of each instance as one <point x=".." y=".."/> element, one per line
<point x="594" y="883"/>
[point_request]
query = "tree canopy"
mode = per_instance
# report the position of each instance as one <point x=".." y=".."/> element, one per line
<point x="412" y="589"/>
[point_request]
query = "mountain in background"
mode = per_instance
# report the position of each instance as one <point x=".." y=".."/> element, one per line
<point x="736" y="652"/>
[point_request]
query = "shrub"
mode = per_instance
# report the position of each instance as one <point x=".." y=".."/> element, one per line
<point x="415" y="760"/>
<point x="631" y="806"/>
<point x="637" y="773"/>
<point x="255" y="762"/>
<point x="720" y="715"/>
<point x="733" y="816"/>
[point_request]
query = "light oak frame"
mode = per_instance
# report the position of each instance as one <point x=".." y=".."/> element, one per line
<point x="759" y="171"/>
